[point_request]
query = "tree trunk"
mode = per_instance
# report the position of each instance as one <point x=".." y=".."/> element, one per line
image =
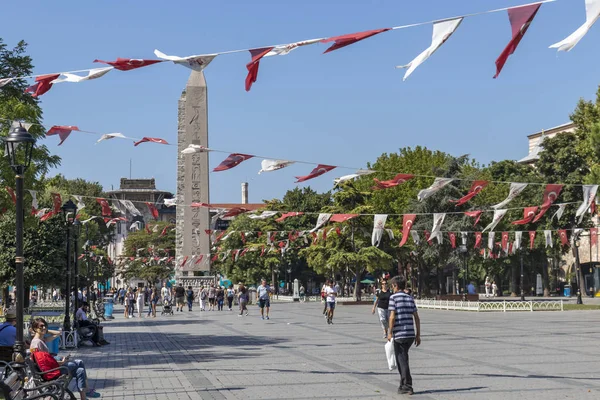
<point x="441" y="283"/>
<point x="513" y="280"/>
<point x="357" y="272"/>
<point x="545" y="279"/>
<point x="424" y="282"/>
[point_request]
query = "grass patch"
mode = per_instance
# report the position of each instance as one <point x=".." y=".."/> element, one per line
<point x="571" y="307"/>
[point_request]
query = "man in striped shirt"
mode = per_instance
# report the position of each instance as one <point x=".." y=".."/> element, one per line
<point x="404" y="329"/>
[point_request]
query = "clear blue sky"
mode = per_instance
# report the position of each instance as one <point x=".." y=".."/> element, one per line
<point x="342" y="108"/>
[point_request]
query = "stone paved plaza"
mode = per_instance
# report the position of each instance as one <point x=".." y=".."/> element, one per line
<point x="296" y="355"/>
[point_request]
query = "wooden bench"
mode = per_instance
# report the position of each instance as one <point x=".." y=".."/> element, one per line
<point x="12" y="388"/>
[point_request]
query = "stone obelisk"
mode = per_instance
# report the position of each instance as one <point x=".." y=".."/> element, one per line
<point x="192" y="181"/>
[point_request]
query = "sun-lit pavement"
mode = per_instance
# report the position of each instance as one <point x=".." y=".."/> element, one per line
<point x="296" y="355"/>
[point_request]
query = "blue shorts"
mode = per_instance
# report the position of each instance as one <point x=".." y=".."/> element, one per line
<point x="331" y="305"/>
<point x="262" y="303"/>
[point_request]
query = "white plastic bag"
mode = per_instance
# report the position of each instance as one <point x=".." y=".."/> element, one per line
<point x="390" y="354"/>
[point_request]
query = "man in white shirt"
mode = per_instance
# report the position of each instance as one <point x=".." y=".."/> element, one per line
<point x="263" y="298"/>
<point x="331" y="294"/>
<point x="165" y="293"/>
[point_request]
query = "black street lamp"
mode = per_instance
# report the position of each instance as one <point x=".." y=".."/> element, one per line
<point x="76" y="224"/>
<point x="463" y="249"/>
<point x="19" y="148"/>
<point x="576" y="244"/>
<point x="70" y="211"/>
<point x="522" y="291"/>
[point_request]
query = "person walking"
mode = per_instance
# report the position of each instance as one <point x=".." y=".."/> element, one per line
<point x="331" y="295"/>
<point x="323" y="297"/>
<point x="140" y="302"/>
<point x="189" y="294"/>
<point x="404" y="329"/>
<point x="220" y="296"/>
<point x="153" y="302"/>
<point x="243" y="300"/>
<point x="263" y="298"/>
<point x="494" y="289"/>
<point x="165" y="294"/>
<point x="488" y="286"/>
<point x="212" y="297"/>
<point x="179" y="296"/>
<point x="203" y="296"/>
<point x="381" y="305"/>
<point x="127" y="300"/>
<point x="230" y="296"/>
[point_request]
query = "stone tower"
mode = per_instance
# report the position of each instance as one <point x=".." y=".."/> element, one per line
<point x="192" y="179"/>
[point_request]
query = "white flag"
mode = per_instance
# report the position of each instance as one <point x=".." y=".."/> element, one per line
<point x="131" y="208"/>
<point x="437" y="184"/>
<point x="34" y="201"/>
<point x="107" y="136"/>
<point x="390" y="233"/>
<point x="80" y="203"/>
<point x="415" y="236"/>
<point x="589" y="196"/>
<point x="558" y="214"/>
<point x="438" y="220"/>
<point x="491" y="236"/>
<point x="441" y="32"/>
<point x="517" y="244"/>
<point x="17" y="124"/>
<point x="264" y="215"/>
<point x="515" y="190"/>
<point x="197" y="63"/>
<point x="463" y="238"/>
<point x="378" y="228"/>
<point x="273" y="165"/>
<point x="322" y="220"/>
<point x="169" y="202"/>
<point x="498" y="215"/>
<point x="592" y="12"/>
<point x="5" y="81"/>
<point x="136" y="226"/>
<point x="358" y="173"/>
<point x="92" y="74"/>
<point x="286" y="48"/>
<point x="195" y="148"/>
<point x="548" y="237"/>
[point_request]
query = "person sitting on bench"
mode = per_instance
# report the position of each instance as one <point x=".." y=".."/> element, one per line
<point x="8" y="332"/>
<point x="83" y="321"/>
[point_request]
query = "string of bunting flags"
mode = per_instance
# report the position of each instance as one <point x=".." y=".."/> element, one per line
<point x="520" y="19"/>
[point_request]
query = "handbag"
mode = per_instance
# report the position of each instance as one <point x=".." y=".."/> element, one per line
<point x="390" y="354"/>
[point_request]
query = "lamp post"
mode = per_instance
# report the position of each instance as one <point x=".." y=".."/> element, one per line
<point x="77" y="224"/>
<point x="576" y="244"/>
<point x="522" y="291"/>
<point x="463" y="250"/>
<point x="69" y="210"/>
<point x="19" y="148"/>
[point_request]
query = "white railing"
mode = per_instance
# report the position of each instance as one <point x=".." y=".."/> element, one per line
<point x="503" y="306"/>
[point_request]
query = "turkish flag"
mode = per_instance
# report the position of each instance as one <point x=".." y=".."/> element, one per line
<point x="427" y="235"/>
<point x="57" y="202"/>
<point x="474" y="214"/>
<point x="287" y="215"/>
<point x="350" y="38"/>
<point x="528" y="216"/>
<point x="243" y="235"/>
<point x="63" y="132"/>
<point x="47" y="216"/>
<point x="520" y="18"/>
<point x="244" y="252"/>
<point x="505" y="241"/>
<point x="550" y="195"/>
<point x="164" y="231"/>
<point x="478" y="236"/>
<point x="153" y="210"/>
<point x="231" y="161"/>
<point x="42" y="85"/>
<point x="253" y="65"/>
<point x="184" y="261"/>
<point x="208" y="231"/>
<point x="594" y="236"/>
<point x="338" y="230"/>
<point x="235" y="211"/>
<point x="476" y="187"/>
<point x="397" y="180"/>
<point x="317" y="171"/>
<point x="452" y="236"/>
<point x="407" y="222"/>
<point x="11" y="192"/>
<point x="215" y="257"/>
<point x="106" y="211"/>
<point x="562" y="233"/>
<point x="127" y="64"/>
<point x="262" y="251"/>
<point x="531" y="239"/>
<point x="342" y="217"/>
<point x="152" y="140"/>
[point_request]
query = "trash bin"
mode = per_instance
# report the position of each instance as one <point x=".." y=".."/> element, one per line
<point x="108" y="307"/>
<point x="567" y="291"/>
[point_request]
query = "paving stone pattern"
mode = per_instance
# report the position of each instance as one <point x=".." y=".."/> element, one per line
<point x="296" y="355"/>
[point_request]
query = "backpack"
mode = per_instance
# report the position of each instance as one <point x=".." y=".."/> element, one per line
<point x="203" y="295"/>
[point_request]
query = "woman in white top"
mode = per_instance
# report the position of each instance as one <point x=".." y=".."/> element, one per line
<point x="488" y="286"/>
<point x="140" y="302"/>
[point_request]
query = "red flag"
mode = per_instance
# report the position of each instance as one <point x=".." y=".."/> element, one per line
<point x="345" y="40"/>
<point x="148" y="231"/>
<point x="57" y="202"/>
<point x="287" y="215"/>
<point x="427" y="235"/>
<point x="127" y="64"/>
<point x="314" y="235"/>
<point x="550" y="195"/>
<point x="478" y="236"/>
<point x="47" y="216"/>
<point x="235" y="211"/>
<point x="153" y="210"/>
<point x="528" y="216"/>
<point x="476" y="187"/>
<point x="520" y="18"/>
<point x="317" y="171"/>
<point x="11" y="192"/>
<point x="164" y="231"/>
<point x="231" y="161"/>
<point x="42" y="85"/>
<point x="244" y="252"/>
<point x="562" y="233"/>
<point x="407" y="222"/>
<point x="208" y="231"/>
<point x="151" y="139"/>
<point x="184" y="261"/>
<point x="342" y="217"/>
<point x="63" y="132"/>
<point x="262" y="251"/>
<point x="397" y="180"/>
<point x="220" y="235"/>
<point x="324" y="235"/>
<point x="215" y="257"/>
<point x="338" y="231"/>
<point x="531" y="239"/>
<point x="243" y="237"/>
<point x="452" y="239"/>
<point x="594" y="236"/>
<point x="253" y="65"/>
<point x="234" y="254"/>
<point x="474" y="214"/>
<point x="106" y="211"/>
<point x="505" y="241"/>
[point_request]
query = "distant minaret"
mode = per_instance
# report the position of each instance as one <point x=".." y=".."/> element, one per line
<point x="244" y="192"/>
